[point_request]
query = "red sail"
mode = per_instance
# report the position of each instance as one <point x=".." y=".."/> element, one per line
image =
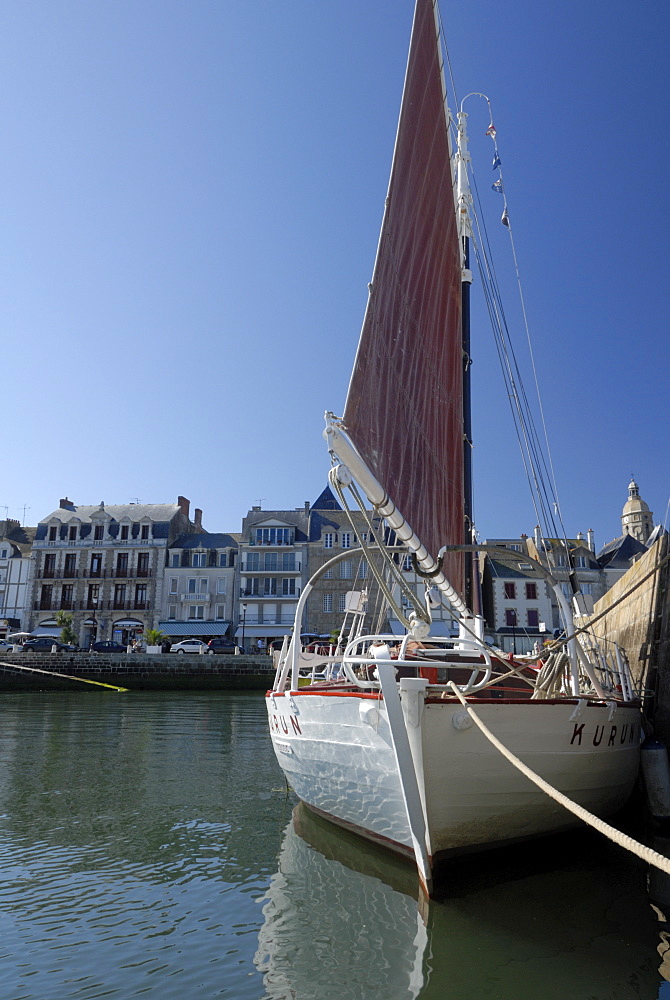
<point x="404" y="409"/>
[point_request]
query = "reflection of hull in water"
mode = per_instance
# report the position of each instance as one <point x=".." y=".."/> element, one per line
<point x="517" y="923"/>
<point x="331" y="932"/>
<point x="337" y="753"/>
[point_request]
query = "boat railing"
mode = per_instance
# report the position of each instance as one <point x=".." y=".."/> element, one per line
<point x="610" y="664"/>
<point x="357" y="660"/>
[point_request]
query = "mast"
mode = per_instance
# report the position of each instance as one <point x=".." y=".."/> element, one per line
<point x="463" y="206"/>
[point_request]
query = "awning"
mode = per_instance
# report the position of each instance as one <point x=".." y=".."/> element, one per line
<point x="50" y="630"/>
<point x="129" y="623"/>
<point x="253" y="631"/>
<point x="194" y="628"/>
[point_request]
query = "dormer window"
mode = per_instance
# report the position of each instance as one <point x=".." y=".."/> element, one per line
<point x="52" y="533"/>
<point x="125" y="528"/>
<point x="99" y="532"/>
<point x="145" y="531"/>
<point x="73" y="533"/>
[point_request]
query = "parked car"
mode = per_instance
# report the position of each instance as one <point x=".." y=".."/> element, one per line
<point x="6" y="645"/>
<point x="108" y="646"/>
<point x="188" y="646"/>
<point x="44" y="644"/>
<point x="221" y="645"/>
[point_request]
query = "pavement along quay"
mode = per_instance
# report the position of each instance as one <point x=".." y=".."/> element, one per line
<point x="134" y="671"/>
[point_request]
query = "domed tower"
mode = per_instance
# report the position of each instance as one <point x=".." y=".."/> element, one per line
<point x="636" y="518"/>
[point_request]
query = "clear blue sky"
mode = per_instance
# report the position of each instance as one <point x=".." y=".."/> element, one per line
<point x="190" y="203"/>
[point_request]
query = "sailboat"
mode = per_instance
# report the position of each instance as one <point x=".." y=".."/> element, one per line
<point x="419" y="742"/>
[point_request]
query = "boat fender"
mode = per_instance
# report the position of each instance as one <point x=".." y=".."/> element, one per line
<point x="656" y="774"/>
<point x="461" y="721"/>
<point x="368" y="713"/>
<point x="579" y="710"/>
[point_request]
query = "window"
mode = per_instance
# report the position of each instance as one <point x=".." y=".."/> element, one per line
<point x="52" y="534"/>
<point x="274" y="536"/>
<point x="288" y="561"/>
<point x="288" y="587"/>
<point x="143" y="564"/>
<point x="174" y="583"/>
<point x="327" y="603"/>
<point x="119" y="595"/>
<point x="45" y="597"/>
<point x="329" y="540"/>
<point x="345" y="569"/>
<point x="192" y="584"/>
<point x="253" y="586"/>
<point x="140" y="595"/>
<point x="124" y="532"/>
<point x="223" y="559"/>
<point x="514" y="548"/>
<point x="3" y="554"/>
<point x="407" y="563"/>
<point x="67" y="596"/>
<point x="96" y="564"/>
<point x="363" y="570"/>
<point x="196" y="611"/>
<point x="586" y="588"/>
<point x="510" y="591"/>
<point x="328" y="575"/>
<point x="174" y="559"/>
<point x="198" y="559"/>
<point x="580" y="562"/>
<point x="70" y="565"/>
<point x="510" y="617"/>
<point x="72" y="533"/>
<point x="342" y="602"/>
<point x="203" y="585"/>
<point x="561" y="560"/>
<point x="93" y="594"/>
<point x="270" y="585"/>
<point x="533" y="617"/>
<point x="220" y="611"/>
<point x="253" y="561"/>
<point x="172" y="611"/>
<point x="49" y="565"/>
<point x="567" y="589"/>
<point x="221" y="585"/>
<point x="531" y="591"/>
<point x="98" y="532"/>
<point x="271" y="561"/>
<point x="145" y="531"/>
<point x="346" y="539"/>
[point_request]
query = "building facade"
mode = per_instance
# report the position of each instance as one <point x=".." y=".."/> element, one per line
<point x="105" y="566"/>
<point x="199" y="591"/>
<point x="15" y="572"/>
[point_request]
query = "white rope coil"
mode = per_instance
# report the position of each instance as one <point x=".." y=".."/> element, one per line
<point x="616" y="836"/>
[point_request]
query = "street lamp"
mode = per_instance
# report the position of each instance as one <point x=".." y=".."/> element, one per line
<point x="244" y="622"/>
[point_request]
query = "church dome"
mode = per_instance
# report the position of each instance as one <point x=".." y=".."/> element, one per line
<point x="636" y="518"/>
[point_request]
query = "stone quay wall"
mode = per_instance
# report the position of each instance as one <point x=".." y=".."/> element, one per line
<point x="135" y="671"/>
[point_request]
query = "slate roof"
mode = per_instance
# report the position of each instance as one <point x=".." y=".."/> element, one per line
<point x="618" y="553"/>
<point x="326" y="501"/>
<point x="131" y="511"/>
<point x="499" y="568"/>
<point x="205" y="540"/>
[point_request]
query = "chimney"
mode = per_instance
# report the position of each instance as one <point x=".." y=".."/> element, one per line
<point x="591" y="540"/>
<point x="307" y="506"/>
<point x="183" y="505"/>
<point x="65" y="503"/>
<point x="198" y="519"/>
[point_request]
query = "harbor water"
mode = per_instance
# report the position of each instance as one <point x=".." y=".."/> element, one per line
<point x="149" y="847"/>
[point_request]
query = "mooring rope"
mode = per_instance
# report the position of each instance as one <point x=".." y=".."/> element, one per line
<point x="69" y="677"/>
<point x="616" y="836"/>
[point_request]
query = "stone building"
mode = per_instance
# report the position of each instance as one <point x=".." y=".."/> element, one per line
<point x="199" y="596"/>
<point x="104" y="565"/>
<point x="15" y="566"/>
<point x="272" y="572"/>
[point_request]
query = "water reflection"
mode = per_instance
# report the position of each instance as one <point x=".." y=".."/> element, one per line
<point x="342" y="920"/>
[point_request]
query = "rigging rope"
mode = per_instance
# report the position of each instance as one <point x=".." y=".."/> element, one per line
<point x="616" y="836"/>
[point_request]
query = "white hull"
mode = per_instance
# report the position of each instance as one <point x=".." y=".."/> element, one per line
<point x="337" y="754"/>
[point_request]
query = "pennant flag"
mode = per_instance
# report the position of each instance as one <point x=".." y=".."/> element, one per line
<point x="496" y="161"/>
<point x="505" y="219"/>
<point x="491" y="130"/>
<point x="497" y="186"/>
